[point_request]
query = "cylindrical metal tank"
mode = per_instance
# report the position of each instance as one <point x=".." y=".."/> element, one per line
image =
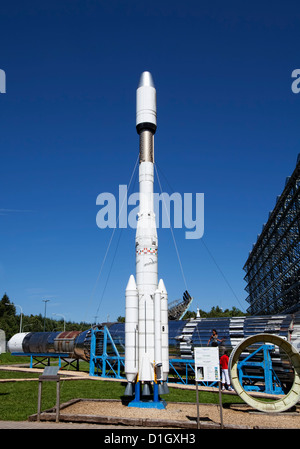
<point x="51" y="343"/>
<point x="39" y="342"/>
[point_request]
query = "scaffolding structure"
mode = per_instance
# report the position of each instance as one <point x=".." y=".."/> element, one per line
<point x="273" y="266"/>
<point x="179" y="307"/>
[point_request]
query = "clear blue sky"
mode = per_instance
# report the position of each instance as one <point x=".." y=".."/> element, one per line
<point x="228" y="126"/>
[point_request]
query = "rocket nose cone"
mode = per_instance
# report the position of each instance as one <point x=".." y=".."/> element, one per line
<point x="146" y="80"/>
<point x="161" y="286"/>
<point x="131" y="283"/>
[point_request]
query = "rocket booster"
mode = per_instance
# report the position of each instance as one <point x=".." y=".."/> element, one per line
<point x="146" y="317"/>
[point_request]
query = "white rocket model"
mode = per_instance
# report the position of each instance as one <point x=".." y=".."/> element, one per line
<point x="146" y="317"/>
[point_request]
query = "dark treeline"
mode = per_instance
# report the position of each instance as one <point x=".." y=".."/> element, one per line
<point x="215" y="312"/>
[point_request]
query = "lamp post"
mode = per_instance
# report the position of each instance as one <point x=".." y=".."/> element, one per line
<point x="21" y="313"/>
<point x="45" y="301"/>
<point x="59" y="314"/>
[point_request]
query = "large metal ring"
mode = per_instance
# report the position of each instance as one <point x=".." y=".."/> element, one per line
<point x="293" y="395"/>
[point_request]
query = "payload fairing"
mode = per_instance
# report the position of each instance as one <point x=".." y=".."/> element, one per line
<point x="146" y="316"/>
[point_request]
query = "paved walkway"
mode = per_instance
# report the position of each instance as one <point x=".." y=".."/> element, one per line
<point x="15" y="425"/>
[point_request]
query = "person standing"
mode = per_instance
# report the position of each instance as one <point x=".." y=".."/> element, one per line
<point x="225" y="374"/>
<point x="214" y="338"/>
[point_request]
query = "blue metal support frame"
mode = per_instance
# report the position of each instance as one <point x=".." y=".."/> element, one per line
<point x="108" y="365"/>
<point x="42" y="356"/>
<point x="187" y="364"/>
<point x="269" y="380"/>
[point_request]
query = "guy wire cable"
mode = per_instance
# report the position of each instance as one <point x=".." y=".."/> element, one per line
<point x="111" y="265"/>
<point x="110" y="242"/>
<point x="210" y="254"/>
<point x="180" y="264"/>
<point x="223" y="275"/>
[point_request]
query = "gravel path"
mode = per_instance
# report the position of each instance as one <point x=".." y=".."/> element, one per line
<point x="237" y="415"/>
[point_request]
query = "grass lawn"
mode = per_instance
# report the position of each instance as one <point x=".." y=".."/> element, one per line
<point x="18" y="400"/>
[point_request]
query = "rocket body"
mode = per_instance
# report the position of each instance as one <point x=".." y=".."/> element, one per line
<point x="146" y="320"/>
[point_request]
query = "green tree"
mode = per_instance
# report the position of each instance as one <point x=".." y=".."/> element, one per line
<point x="9" y="322"/>
<point x="188" y="315"/>
<point x="6" y="309"/>
<point x="215" y="312"/>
